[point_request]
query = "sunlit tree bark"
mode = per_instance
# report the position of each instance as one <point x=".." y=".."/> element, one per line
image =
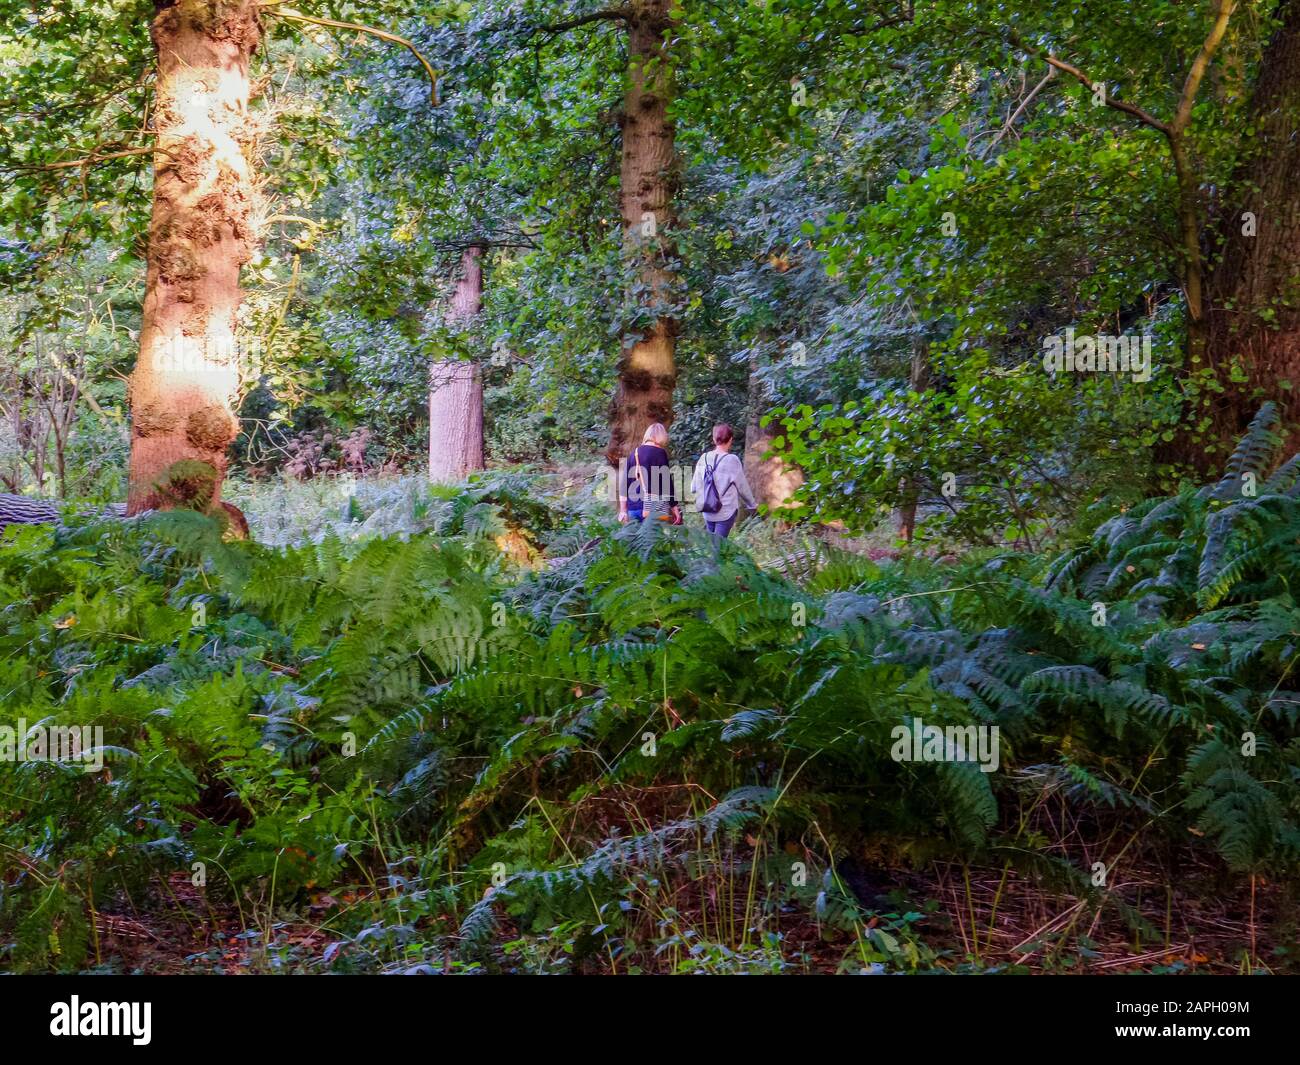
<point x="647" y="368"/>
<point x="202" y="232"/>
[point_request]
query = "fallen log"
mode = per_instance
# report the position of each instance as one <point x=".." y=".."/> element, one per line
<point x="22" y="510"/>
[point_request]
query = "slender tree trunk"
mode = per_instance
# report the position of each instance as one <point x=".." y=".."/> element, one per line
<point x="647" y="369"/>
<point x="185" y="382"/>
<point x="918" y="380"/>
<point x="1253" y="313"/>
<point x="456" y="387"/>
<point x="772" y="480"/>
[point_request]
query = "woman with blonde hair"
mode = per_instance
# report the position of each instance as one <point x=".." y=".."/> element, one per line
<point x="646" y="488"/>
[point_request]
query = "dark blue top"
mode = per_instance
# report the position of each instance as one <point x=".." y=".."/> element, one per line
<point x="656" y="475"/>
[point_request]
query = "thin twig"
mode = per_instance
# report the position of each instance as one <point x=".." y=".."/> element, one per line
<point x="1051" y="73"/>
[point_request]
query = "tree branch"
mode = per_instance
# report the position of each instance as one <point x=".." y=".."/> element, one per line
<point x="1051" y="73"/>
<point x="1202" y="62"/>
<point x="613" y="14"/>
<point x="383" y="35"/>
<point x="91" y="159"/>
<point x="1189" y="222"/>
<point x="1074" y="72"/>
<point x="908" y="16"/>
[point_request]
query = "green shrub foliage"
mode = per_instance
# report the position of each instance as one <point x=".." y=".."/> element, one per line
<point x="415" y="713"/>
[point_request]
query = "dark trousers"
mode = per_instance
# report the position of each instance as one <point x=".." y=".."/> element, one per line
<point x="721" y="529"/>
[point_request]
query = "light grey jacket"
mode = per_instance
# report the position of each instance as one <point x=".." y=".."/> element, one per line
<point x="730" y="480"/>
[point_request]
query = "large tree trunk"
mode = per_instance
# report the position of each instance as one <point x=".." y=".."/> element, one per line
<point x="185" y="382"/>
<point x="772" y="480"/>
<point x="456" y="388"/>
<point x="647" y="370"/>
<point x="1253" y="312"/>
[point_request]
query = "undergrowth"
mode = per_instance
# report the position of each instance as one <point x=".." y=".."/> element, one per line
<point x="636" y="753"/>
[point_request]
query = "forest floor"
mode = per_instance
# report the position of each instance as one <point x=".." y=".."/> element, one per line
<point x="973" y="919"/>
